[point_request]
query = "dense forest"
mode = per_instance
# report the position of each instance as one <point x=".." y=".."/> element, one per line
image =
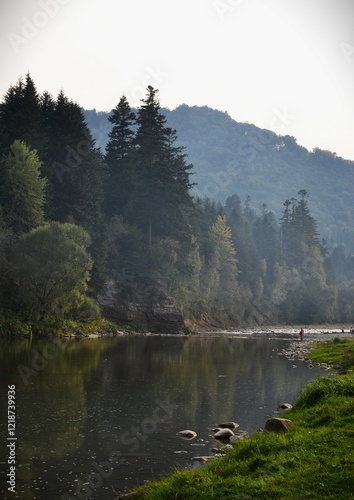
<point x="74" y="217"/>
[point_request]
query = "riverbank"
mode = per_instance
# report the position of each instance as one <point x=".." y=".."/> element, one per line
<point x="312" y="460"/>
<point x="53" y="327"/>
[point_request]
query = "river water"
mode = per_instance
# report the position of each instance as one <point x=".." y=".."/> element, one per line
<point x="96" y="414"/>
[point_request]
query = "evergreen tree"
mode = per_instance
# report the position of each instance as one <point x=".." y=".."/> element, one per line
<point x="119" y="149"/>
<point x="266" y="235"/>
<point x="22" y="189"/>
<point x="161" y="196"/>
<point x="221" y="273"/>
<point x="21" y="117"/>
<point x="75" y="170"/>
<point x="250" y="263"/>
<point x="298" y="230"/>
<point x="306" y="225"/>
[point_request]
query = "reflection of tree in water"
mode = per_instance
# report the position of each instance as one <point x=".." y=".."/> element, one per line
<point x="214" y="376"/>
<point x="203" y="367"/>
<point x="51" y="407"/>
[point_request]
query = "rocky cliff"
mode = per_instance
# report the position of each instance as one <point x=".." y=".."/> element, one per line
<point x="142" y="306"/>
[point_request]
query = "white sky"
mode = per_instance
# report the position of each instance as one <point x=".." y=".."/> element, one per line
<point x="285" y="65"/>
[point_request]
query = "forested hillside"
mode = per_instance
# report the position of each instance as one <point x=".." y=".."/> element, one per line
<point x="124" y="218"/>
<point x="239" y="158"/>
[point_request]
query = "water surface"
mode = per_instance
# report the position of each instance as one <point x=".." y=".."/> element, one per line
<point x="103" y="413"/>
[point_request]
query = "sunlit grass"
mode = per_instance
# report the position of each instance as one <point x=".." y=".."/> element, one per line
<point x="338" y="351"/>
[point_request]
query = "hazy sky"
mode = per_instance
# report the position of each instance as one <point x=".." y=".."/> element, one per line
<point x="285" y="65"/>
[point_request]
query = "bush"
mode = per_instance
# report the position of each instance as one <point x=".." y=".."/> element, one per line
<point x="88" y="311"/>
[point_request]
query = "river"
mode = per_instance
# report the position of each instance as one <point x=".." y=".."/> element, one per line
<point x="95" y="414"/>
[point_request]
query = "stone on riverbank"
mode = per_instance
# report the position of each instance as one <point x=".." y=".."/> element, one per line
<point x="276" y="424"/>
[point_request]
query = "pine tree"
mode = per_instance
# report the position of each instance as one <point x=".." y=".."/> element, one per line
<point x="119" y="182"/>
<point x="21" y="117"/>
<point x="298" y="228"/>
<point x="306" y="225"/>
<point x="161" y="195"/>
<point x="75" y="169"/>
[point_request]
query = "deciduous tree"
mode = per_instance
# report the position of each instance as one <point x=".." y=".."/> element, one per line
<point x="22" y="189"/>
<point x="51" y="269"/>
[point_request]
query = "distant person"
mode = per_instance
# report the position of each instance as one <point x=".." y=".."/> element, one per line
<point x="302" y="334"/>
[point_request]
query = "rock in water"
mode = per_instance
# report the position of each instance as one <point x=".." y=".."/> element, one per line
<point x="205" y="458"/>
<point x="228" y="425"/>
<point x="285" y="406"/>
<point x="223" y="434"/>
<point x="187" y="434"/>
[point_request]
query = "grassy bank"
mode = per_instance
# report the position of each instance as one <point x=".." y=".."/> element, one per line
<point x="314" y="460"/>
<point x="56" y="327"/>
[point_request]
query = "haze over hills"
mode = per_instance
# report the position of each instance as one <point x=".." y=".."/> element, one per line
<point x="239" y="158"/>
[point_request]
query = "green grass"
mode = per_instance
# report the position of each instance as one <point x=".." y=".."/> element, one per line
<point x="338" y="351"/>
<point x="314" y="460"/>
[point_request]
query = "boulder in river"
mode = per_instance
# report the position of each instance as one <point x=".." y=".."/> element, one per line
<point x="223" y="434"/>
<point x="187" y="434"/>
<point x="228" y="425"/>
<point x="285" y="406"/>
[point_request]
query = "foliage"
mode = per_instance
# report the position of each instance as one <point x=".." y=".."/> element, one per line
<point x="21" y="118"/>
<point x="220" y="275"/>
<point x="50" y="268"/>
<point x="232" y="264"/>
<point x="73" y="166"/>
<point x="161" y="197"/>
<point x="119" y="182"/>
<point x="22" y="189"/>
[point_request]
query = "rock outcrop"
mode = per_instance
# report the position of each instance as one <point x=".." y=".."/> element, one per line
<point x="142" y="306"/>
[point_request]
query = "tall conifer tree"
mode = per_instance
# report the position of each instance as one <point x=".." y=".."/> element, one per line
<point x="162" y="198"/>
<point x="119" y="182"/>
<point x="21" y="117"/>
<point x="75" y="171"/>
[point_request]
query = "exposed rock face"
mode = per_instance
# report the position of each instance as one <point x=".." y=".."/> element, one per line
<point x="142" y="306"/>
<point x="278" y="425"/>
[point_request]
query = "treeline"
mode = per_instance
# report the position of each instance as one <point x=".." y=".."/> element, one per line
<point x="73" y="218"/>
